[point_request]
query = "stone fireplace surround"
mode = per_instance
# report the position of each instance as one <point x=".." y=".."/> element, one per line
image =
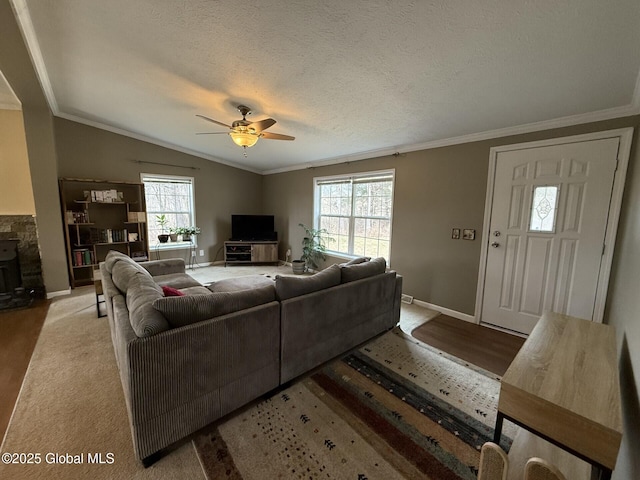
<point x="23" y="228"/>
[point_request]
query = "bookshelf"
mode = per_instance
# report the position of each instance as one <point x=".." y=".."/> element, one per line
<point x="100" y="216"/>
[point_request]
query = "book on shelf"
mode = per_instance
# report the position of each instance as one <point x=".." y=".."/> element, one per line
<point x="82" y="257"/>
<point x="111" y="235"/>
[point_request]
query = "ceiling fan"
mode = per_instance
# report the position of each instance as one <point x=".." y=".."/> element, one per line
<point x="245" y="133"/>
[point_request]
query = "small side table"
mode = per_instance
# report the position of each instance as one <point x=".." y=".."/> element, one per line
<point x="98" y="284"/>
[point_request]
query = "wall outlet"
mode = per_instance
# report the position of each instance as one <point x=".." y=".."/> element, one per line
<point x="202" y="253"/>
<point x="193" y="253"/>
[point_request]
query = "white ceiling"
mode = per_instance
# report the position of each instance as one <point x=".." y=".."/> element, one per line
<point x="349" y="79"/>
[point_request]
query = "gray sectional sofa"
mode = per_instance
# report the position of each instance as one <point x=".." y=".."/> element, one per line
<point x="186" y="361"/>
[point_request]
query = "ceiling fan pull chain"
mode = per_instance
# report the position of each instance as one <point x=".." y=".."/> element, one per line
<point x="245" y="151"/>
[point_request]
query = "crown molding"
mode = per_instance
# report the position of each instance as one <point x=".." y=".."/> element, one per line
<point x="154" y="141"/>
<point x="608" y="114"/>
<point x="21" y="11"/>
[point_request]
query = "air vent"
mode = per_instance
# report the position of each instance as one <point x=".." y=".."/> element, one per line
<point x="407" y="299"/>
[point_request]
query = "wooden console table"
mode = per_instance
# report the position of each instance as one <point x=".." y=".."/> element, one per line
<point x="563" y="386"/>
<point x="236" y="253"/>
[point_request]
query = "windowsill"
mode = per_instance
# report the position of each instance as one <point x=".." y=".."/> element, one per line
<point x="343" y="256"/>
<point x="172" y="246"/>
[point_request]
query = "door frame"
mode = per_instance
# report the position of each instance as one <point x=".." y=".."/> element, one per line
<point x="626" y="136"/>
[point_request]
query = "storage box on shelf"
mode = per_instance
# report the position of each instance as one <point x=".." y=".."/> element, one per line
<point x="101" y="216"/>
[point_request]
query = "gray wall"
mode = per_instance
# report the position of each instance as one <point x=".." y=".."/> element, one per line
<point x="623" y="312"/>
<point x="435" y="190"/>
<point x="16" y="66"/>
<point x="88" y="152"/>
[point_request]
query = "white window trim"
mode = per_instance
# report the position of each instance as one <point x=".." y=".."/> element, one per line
<point x="174" y="245"/>
<point x="351" y="176"/>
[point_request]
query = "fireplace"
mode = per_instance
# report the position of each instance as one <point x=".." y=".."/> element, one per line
<point x="10" y="277"/>
<point x="20" y="265"/>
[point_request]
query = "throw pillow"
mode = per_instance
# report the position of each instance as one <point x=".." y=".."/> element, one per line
<point x="288" y="287"/>
<point x="363" y="270"/>
<point x="171" y="292"/>
<point x="181" y="311"/>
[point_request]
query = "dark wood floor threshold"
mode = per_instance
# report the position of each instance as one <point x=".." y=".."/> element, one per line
<point x="485" y="347"/>
<point x="19" y="332"/>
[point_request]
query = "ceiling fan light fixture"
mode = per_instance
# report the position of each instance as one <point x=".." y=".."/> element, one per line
<point x="244" y="139"/>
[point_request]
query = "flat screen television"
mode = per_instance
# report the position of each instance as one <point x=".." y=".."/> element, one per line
<point x="253" y="228"/>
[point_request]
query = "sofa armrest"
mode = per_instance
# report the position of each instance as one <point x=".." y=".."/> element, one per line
<point x="397" y="299"/>
<point x="164" y="267"/>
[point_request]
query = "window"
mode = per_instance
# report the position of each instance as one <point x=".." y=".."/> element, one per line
<point x="356" y="212"/>
<point x="169" y="196"/>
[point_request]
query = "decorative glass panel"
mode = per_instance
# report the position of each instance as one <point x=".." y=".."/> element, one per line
<point x="544" y="208"/>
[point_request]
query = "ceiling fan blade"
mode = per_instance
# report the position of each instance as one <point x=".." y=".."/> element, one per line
<point x="262" y="124"/>
<point x="276" y="136"/>
<point x="213" y="121"/>
<point x="212" y="133"/>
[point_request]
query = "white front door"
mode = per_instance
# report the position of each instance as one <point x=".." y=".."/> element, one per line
<point x="547" y="231"/>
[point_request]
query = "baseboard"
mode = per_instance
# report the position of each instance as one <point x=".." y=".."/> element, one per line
<point x="59" y="293"/>
<point x="204" y="264"/>
<point x="452" y="313"/>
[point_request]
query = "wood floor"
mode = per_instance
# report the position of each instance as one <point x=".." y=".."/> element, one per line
<point x="19" y="331"/>
<point x="482" y="346"/>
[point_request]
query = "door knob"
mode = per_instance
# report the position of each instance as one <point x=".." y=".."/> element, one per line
<point x="495" y="244"/>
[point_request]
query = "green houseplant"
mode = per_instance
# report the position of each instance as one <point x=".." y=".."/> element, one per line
<point x="162" y="220"/>
<point x="313" y="247"/>
<point x="188" y="232"/>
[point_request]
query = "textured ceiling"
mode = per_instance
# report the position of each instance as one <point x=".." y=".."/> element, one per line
<point x="349" y="79"/>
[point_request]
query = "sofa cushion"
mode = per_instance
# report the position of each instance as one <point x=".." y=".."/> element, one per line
<point x="241" y="283"/>
<point x="177" y="280"/>
<point x="123" y="271"/>
<point x="171" y="292"/>
<point x="355" y="261"/>
<point x="199" y="290"/>
<point x="111" y="258"/>
<point x="351" y="273"/>
<point x="288" y="287"/>
<point x="181" y="311"/>
<point x="145" y="320"/>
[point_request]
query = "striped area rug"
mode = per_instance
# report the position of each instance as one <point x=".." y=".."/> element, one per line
<point x="394" y="409"/>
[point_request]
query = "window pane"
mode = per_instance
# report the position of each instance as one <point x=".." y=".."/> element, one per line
<point x="171" y="197"/>
<point x="543" y="208"/>
<point x="366" y="203"/>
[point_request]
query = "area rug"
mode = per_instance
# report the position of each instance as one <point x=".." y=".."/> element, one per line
<point x="395" y="408"/>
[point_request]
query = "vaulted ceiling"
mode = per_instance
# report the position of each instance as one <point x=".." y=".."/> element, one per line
<point x="348" y="79"/>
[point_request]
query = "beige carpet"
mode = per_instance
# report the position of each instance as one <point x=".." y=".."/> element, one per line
<point x="72" y="403"/>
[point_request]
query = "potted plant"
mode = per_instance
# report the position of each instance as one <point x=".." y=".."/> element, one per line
<point x="162" y="220"/>
<point x="173" y="233"/>
<point x="188" y="232"/>
<point x="313" y="248"/>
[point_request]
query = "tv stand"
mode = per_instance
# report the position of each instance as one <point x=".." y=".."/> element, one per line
<point x="250" y="252"/>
